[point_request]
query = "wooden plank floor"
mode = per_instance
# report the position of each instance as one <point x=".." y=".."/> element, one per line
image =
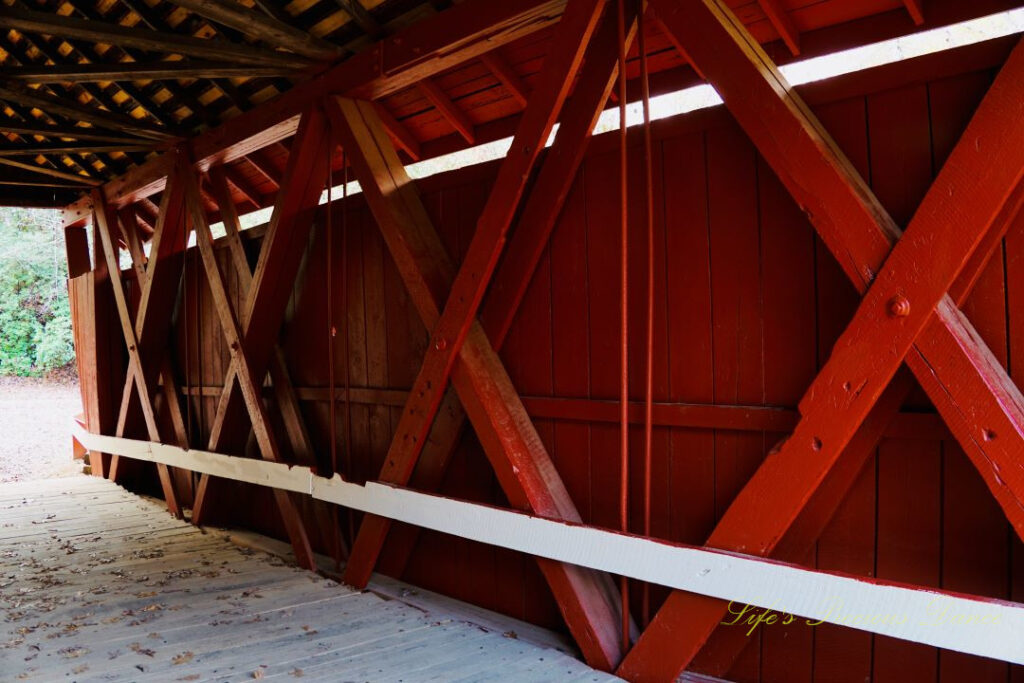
<point x="97" y="584"/>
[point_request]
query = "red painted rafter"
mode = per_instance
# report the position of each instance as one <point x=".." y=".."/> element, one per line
<point x="524" y="251"/>
<point x="401" y="134"/>
<point x="452" y="113"/>
<point x="915" y="9"/>
<point x="860" y="233"/>
<point x="780" y="19"/>
<point x="456" y="35"/>
<point x="259" y="161"/>
<point x="504" y="72"/>
<point x="524" y="470"/>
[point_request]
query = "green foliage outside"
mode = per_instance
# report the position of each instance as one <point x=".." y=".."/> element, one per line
<point x="35" y="321"/>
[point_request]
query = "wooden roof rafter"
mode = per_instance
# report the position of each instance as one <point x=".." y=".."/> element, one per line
<point x="420" y="133"/>
<point x="29" y="21"/>
<point x="61" y="99"/>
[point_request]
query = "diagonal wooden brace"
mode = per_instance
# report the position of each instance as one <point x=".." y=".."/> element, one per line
<point x="726" y="644"/>
<point x="525" y="247"/>
<point x="859" y="232"/>
<point x="284" y="391"/>
<point x="272" y="284"/>
<point x="569" y="45"/>
<point x="524" y="470"/>
<point x="136" y="367"/>
<point x="130" y="230"/>
<point x="248" y="381"/>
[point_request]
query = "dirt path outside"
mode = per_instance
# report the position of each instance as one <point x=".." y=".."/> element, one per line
<point x="35" y="428"/>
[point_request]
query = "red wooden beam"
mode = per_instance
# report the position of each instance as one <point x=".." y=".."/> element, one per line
<point x="274" y="279"/>
<point x="401" y="134"/>
<point x="248" y="381"/>
<point x="137" y="373"/>
<point x="526" y="245"/>
<point x="860" y="233"/>
<point x="431" y="46"/>
<point x="449" y="110"/>
<point x="504" y="72"/>
<point x="799" y="539"/>
<point x="780" y="19"/>
<point x="563" y="60"/>
<point x="524" y="470"/>
<point x="915" y="10"/>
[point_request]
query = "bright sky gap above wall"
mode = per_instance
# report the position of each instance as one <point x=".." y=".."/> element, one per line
<point x="704" y="96"/>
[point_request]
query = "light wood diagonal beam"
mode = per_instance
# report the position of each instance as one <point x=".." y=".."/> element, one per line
<point x="273" y="282"/>
<point x="266" y="29"/>
<point x="53" y="173"/>
<point x="587" y="599"/>
<point x="248" y="380"/>
<point x="52" y="24"/>
<point x="572" y="35"/>
<point x="159" y="289"/>
<point x="525" y="247"/>
<point x="284" y="391"/>
<point x="957" y="370"/>
<point x="135" y="363"/>
<point x="129" y="223"/>
<point x="24" y="128"/>
<point x="141" y="71"/>
<point x="799" y="539"/>
<point x="75" y="111"/>
<point x="72" y="148"/>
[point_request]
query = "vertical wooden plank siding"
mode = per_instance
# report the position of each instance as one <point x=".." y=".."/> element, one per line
<point x="748" y="306"/>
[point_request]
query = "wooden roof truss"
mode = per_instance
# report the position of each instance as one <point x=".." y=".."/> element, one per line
<point x="912" y="312"/>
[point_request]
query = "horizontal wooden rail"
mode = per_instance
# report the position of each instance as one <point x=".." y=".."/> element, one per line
<point x="970" y="624"/>
<point x="741" y="418"/>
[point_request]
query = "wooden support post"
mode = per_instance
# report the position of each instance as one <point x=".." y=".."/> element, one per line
<point x="898" y="305"/>
<point x="524" y="470"/>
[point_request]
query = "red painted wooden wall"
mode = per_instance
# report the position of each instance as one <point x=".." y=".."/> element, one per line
<point x="748" y="303"/>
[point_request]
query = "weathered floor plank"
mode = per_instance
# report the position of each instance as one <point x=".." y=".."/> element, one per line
<point x="99" y="584"/>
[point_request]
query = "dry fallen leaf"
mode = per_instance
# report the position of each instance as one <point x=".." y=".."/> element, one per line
<point x="297" y="672"/>
<point x="258" y="673"/>
<point x="183" y="658"/>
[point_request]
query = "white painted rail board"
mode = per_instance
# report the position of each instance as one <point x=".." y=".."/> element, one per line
<point x="980" y="626"/>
